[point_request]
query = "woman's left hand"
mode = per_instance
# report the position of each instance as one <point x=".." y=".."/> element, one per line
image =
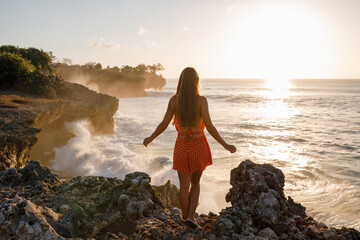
<point x="147" y="141"/>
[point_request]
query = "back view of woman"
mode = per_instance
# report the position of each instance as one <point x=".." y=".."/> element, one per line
<point x="190" y="114"/>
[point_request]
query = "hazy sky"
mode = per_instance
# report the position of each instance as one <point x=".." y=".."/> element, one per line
<point x="223" y="38"/>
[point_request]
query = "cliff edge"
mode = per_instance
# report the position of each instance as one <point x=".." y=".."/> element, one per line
<point x="23" y="117"/>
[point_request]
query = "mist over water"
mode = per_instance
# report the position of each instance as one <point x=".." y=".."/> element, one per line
<point x="310" y="130"/>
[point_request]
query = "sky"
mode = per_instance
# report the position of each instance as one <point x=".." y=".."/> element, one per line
<point x="220" y="38"/>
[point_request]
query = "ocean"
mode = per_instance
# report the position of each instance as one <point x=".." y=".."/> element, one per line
<point x="310" y="129"/>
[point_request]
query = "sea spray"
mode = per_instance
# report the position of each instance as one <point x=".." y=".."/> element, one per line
<point x="110" y="156"/>
<point x="106" y="155"/>
<point x="314" y="141"/>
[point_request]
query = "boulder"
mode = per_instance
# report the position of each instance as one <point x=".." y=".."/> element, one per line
<point x="37" y="205"/>
<point x="22" y="219"/>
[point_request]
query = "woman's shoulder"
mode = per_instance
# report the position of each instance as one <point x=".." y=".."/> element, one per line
<point x="172" y="100"/>
<point x="202" y="99"/>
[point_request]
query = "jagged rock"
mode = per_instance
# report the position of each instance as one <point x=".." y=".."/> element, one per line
<point x="94" y="203"/>
<point x="268" y="233"/>
<point x="169" y="194"/>
<point x="111" y="236"/>
<point x="260" y="207"/>
<point x="32" y="174"/>
<point x="109" y="208"/>
<point x="22" y="219"/>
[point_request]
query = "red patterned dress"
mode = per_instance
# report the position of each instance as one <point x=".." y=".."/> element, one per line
<point x="191" y="154"/>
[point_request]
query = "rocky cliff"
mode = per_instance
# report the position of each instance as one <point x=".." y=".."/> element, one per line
<point x="26" y="120"/>
<point x="37" y="205"/>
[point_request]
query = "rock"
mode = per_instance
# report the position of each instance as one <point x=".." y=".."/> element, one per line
<point x="26" y="116"/>
<point x="22" y="219"/>
<point x="169" y="194"/>
<point x="110" y="208"/>
<point x="299" y="236"/>
<point x="268" y="233"/>
<point x="258" y="202"/>
<point x="268" y="208"/>
<point x="329" y="234"/>
<point x="111" y="236"/>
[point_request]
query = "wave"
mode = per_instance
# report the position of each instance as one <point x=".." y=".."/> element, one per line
<point x="105" y="155"/>
<point x="343" y="146"/>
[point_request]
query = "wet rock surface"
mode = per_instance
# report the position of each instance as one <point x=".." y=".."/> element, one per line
<point x="35" y="204"/>
<point x="23" y="118"/>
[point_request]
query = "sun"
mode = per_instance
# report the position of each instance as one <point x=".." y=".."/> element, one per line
<point x="275" y="42"/>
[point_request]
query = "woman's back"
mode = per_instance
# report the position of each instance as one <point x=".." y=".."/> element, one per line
<point x="199" y="123"/>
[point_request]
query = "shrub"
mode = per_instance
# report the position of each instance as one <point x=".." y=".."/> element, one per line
<point x="13" y="70"/>
<point x="40" y="59"/>
<point x="49" y="86"/>
<point x="17" y="73"/>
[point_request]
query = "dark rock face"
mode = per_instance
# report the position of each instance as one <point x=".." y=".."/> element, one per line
<point x="22" y="219"/>
<point x="17" y="136"/>
<point x="260" y="209"/>
<point x="35" y="204"/>
<point x="169" y="194"/>
<point x="32" y="174"/>
<point x="22" y="116"/>
<point x="260" y="188"/>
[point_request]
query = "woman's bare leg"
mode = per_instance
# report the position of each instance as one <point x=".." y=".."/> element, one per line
<point x="184" y="179"/>
<point x="194" y="193"/>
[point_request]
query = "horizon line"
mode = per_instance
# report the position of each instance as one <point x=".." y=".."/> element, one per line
<point x="229" y="78"/>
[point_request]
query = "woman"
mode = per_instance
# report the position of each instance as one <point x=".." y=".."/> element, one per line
<point x="192" y="152"/>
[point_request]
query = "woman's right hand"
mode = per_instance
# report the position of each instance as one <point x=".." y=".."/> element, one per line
<point x="230" y="148"/>
<point x="147" y="141"/>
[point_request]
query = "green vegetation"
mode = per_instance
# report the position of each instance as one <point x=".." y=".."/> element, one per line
<point x="13" y="70"/>
<point x="31" y="70"/>
<point x="40" y="59"/>
<point x="28" y="70"/>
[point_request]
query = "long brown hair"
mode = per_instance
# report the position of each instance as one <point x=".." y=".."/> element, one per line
<point x="187" y="92"/>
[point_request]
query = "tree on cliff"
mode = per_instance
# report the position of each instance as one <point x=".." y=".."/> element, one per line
<point x="155" y="68"/>
<point x="13" y="69"/>
<point x="125" y="81"/>
<point x="40" y="59"/>
<point x="18" y="73"/>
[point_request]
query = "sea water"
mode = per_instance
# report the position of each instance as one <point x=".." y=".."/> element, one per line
<point x="310" y="129"/>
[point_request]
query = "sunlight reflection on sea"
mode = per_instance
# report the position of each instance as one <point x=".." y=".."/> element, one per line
<point x="310" y="130"/>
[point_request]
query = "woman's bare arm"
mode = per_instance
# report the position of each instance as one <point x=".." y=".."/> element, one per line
<point x="210" y="127"/>
<point x="164" y="123"/>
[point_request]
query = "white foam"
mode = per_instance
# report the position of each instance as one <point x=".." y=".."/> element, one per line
<point x="258" y="137"/>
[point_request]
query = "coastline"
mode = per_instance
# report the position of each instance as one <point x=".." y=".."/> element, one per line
<point x="39" y="204"/>
<point x="28" y="122"/>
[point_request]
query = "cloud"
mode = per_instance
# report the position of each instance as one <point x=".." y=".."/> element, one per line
<point x="69" y="45"/>
<point x="186" y="29"/>
<point x="142" y="31"/>
<point x="111" y="45"/>
<point x="151" y="43"/>
<point x="104" y="44"/>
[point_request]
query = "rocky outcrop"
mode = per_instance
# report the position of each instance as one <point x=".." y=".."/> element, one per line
<point x="79" y="207"/>
<point x="22" y="219"/>
<point x="35" y="204"/>
<point x="261" y="210"/>
<point x="169" y="194"/>
<point x="22" y="117"/>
